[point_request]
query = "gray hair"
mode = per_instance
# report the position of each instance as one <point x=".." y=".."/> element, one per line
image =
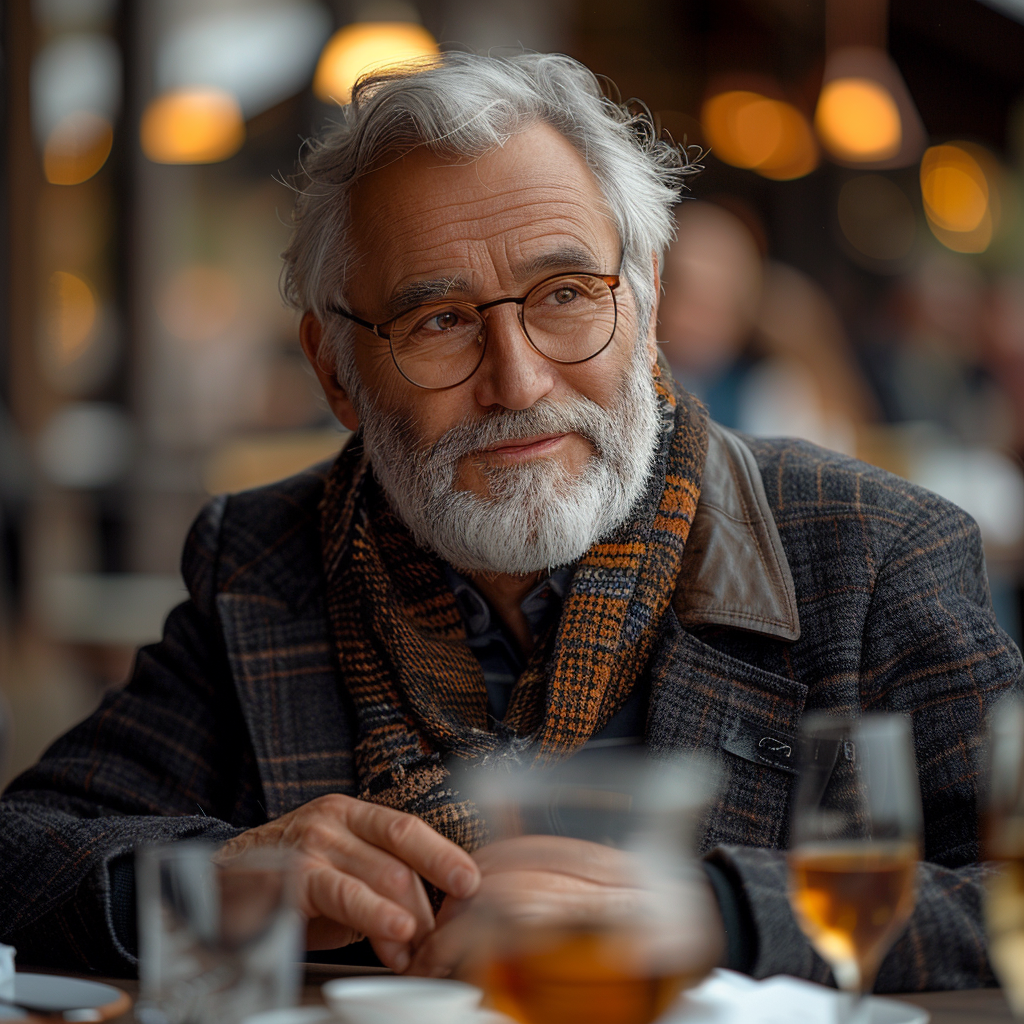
<point x="463" y="105"/>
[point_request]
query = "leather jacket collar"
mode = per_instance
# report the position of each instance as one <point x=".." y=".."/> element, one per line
<point x="735" y="571"/>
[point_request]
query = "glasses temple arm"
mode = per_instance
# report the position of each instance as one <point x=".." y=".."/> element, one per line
<point x="355" y="319"/>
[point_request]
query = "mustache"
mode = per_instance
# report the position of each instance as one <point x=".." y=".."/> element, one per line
<point x="577" y="415"/>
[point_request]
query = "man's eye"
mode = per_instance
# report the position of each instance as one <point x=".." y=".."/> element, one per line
<point x="564" y="295"/>
<point x="442" y="321"/>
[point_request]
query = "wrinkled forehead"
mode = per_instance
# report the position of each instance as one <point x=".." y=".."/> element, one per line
<point x="428" y="212"/>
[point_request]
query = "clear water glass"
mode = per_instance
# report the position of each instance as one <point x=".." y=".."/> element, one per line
<point x="217" y="943"/>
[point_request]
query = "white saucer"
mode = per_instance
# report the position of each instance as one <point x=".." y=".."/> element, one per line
<point x="52" y="993"/>
<point x="891" y="1011"/>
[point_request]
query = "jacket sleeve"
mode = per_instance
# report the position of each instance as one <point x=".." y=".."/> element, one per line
<point x="931" y="650"/>
<point x="166" y="758"/>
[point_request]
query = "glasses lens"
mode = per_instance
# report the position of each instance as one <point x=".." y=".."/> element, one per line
<point x="438" y="346"/>
<point x="570" y="318"/>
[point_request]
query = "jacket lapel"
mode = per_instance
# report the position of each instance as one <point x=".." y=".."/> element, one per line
<point x="286" y="675"/>
<point x="734" y="575"/>
<point x="271" y="608"/>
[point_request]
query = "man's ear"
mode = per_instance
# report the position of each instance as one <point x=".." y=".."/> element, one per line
<point x="312" y="340"/>
<point x="652" y="330"/>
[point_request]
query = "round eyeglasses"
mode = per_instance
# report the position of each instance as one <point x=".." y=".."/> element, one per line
<point x="568" y="318"/>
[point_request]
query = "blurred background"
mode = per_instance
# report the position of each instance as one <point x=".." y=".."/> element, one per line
<point x="850" y="270"/>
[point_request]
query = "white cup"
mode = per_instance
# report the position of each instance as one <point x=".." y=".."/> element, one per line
<point x="384" y="1000"/>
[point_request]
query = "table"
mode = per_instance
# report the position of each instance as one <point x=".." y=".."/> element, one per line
<point x="976" y="1006"/>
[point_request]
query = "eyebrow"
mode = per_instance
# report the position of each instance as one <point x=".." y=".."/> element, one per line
<point x="568" y="257"/>
<point x="418" y="292"/>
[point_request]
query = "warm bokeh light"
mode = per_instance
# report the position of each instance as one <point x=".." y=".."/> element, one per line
<point x="77" y="148"/>
<point x="858" y="120"/>
<point x="960" y="189"/>
<point x="192" y="126"/>
<point x="367" y="45"/>
<point x="72" y="316"/>
<point x="199" y="303"/>
<point x="954" y="188"/>
<point x="797" y="152"/>
<point x="876" y="217"/>
<point x="749" y="130"/>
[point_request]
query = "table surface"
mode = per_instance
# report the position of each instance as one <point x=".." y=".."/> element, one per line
<point x="976" y="1006"/>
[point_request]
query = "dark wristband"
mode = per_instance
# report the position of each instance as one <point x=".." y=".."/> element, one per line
<point x="737" y="920"/>
<point x="122" y="901"/>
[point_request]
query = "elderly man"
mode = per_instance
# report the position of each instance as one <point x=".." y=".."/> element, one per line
<point x="532" y="541"/>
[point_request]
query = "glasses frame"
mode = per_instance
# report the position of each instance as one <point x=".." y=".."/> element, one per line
<point x="611" y="280"/>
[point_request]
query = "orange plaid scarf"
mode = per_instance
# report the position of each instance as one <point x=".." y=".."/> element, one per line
<point x="417" y="687"/>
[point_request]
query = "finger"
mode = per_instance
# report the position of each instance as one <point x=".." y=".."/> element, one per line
<point x="591" y="861"/>
<point x="327" y="892"/>
<point x="323" y="933"/>
<point x="415" y="843"/>
<point x="537" y="895"/>
<point x="396" y="955"/>
<point x="384" y="873"/>
<point x="445" y="950"/>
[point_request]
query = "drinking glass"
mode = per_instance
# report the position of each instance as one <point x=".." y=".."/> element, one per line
<point x="217" y="943"/>
<point x="855" y="843"/>
<point x="1003" y="842"/>
<point x="620" y="958"/>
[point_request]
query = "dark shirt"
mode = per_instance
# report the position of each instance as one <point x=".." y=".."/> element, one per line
<point x="503" y="662"/>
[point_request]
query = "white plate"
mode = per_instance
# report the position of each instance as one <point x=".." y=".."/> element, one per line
<point x="293" y="1015"/>
<point x="729" y="998"/>
<point x="890" y="1011"/>
<point x="51" y="993"/>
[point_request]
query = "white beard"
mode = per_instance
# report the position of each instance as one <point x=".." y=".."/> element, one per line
<point x="537" y="515"/>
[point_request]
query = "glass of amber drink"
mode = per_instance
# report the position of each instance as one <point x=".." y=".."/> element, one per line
<point x="855" y="843"/>
<point x="592" y="909"/>
<point x="1002" y="830"/>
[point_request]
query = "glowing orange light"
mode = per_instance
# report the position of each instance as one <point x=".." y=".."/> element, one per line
<point x="192" y="126"/>
<point x="72" y="317"/>
<point x="749" y="130"/>
<point x="77" y="148"/>
<point x="366" y="46"/>
<point x="796" y="153"/>
<point x="954" y="188"/>
<point x="858" y="120"/>
<point x="961" y="201"/>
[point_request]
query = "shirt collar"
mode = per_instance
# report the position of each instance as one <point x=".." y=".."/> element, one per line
<point x="541" y="602"/>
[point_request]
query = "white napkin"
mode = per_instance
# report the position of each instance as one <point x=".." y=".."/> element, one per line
<point x="7" y="971"/>
<point x="730" y="998"/>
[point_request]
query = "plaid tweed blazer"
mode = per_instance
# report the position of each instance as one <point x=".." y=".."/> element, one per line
<point x="811" y="581"/>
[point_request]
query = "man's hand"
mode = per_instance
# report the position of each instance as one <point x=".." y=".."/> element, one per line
<point x="359" y="869"/>
<point x="535" y="879"/>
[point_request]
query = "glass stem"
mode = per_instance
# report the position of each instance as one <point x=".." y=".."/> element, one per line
<point x="850" y="977"/>
<point x="859" y="1009"/>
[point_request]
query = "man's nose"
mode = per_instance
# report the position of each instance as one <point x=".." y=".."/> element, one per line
<point x="513" y="373"/>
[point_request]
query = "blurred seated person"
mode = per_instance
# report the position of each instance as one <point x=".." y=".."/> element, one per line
<point x="534" y="545"/>
<point x="712" y="281"/>
<point x="758" y="342"/>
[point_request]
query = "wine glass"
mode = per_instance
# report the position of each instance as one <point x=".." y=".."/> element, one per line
<point x="1003" y="839"/>
<point x="855" y="843"/>
<point x="632" y="922"/>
